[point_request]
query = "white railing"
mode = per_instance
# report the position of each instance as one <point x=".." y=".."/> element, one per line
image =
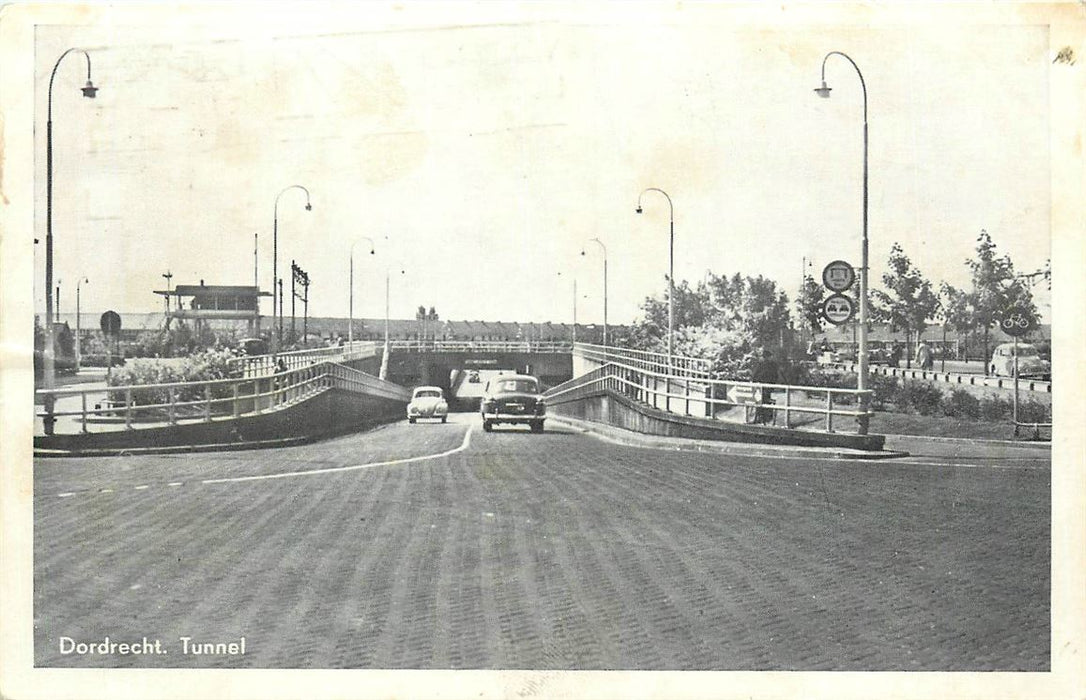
<point x="263" y="365"/>
<point x="675" y="365"/>
<point x="716" y="398"/>
<point x="125" y="407"/>
<point x="470" y="346"/>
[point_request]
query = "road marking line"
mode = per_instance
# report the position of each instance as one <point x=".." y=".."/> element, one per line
<point x="105" y="490"/>
<point x="65" y="494"/>
<point x="332" y="470"/>
<point x="175" y="483"/>
<point x="142" y="486"/>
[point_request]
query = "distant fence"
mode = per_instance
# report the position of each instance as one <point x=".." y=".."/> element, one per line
<point x="482" y="346"/>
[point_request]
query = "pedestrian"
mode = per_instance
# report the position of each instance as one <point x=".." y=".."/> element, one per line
<point x="281" y="365"/>
<point x="895" y="355"/>
<point x="924" y="357"/>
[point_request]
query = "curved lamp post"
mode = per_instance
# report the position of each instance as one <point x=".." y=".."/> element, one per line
<point x="350" y="323"/>
<point x="671" y="269"/>
<point x="604" y="249"/>
<point x="384" y="355"/>
<point x="862" y="374"/>
<point x="278" y="315"/>
<point x="48" y="364"/>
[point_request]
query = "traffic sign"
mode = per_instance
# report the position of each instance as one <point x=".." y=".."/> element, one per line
<point x="1017" y="322"/>
<point x="741" y="394"/>
<point x="111" y="323"/>
<point x="838" y="276"/>
<point x="838" y="309"/>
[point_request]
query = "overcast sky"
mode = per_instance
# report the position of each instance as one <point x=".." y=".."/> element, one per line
<point x="481" y="151"/>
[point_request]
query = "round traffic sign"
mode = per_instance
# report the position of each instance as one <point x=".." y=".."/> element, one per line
<point x="111" y="323"/>
<point x="838" y="309"/>
<point x="838" y="276"/>
<point x="1017" y="322"/>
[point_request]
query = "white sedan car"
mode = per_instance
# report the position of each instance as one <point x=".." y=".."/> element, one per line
<point x="427" y="402"/>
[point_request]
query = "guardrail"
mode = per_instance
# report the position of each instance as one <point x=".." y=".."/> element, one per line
<point x="262" y="365"/>
<point x="956" y="378"/>
<point x="125" y="407"/>
<point x="470" y="346"/>
<point x="705" y="397"/>
<point x="676" y="365"/>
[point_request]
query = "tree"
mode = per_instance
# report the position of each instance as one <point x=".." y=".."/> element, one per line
<point x="809" y="304"/>
<point x="908" y="302"/>
<point x="995" y="289"/>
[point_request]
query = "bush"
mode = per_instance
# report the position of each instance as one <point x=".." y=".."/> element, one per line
<point x="208" y="365"/>
<point x="1034" y="412"/>
<point x="923" y="398"/>
<point x="884" y="389"/>
<point x="961" y="404"/>
<point x="994" y="408"/>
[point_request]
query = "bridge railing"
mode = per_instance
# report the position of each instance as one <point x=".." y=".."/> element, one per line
<point x="262" y="365"/>
<point x="675" y="365"/>
<point x="472" y="346"/>
<point x="717" y="398"/>
<point x="126" y="407"/>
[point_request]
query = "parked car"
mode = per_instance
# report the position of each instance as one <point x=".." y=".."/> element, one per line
<point x="1030" y="363"/>
<point x="513" y="398"/>
<point x="427" y="402"/>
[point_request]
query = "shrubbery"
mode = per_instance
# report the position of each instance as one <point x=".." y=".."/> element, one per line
<point x="207" y="365"/>
<point x="927" y="399"/>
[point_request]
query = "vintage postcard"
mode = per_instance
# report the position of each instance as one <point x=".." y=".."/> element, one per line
<point x="579" y="350"/>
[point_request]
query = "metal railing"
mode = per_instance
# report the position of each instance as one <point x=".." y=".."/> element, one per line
<point x="469" y="346"/>
<point x="717" y="398"/>
<point x="262" y="365"/>
<point x="676" y="365"/>
<point x="152" y="405"/>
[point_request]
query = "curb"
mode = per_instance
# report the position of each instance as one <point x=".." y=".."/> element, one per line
<point x="631" y="439"/>
<point x="178" y="449"/>
<point x="1029" y="444"/>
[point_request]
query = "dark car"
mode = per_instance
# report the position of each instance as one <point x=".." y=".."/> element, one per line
<point x="513" y="398"/>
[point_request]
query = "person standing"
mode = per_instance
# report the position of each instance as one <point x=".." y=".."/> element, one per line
<point x="924" y="357"/>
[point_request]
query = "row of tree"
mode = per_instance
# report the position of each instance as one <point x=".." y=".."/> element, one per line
<point x="732" y="320"/>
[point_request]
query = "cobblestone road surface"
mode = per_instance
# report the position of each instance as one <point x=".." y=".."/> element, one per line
<point x="553" y="551"/>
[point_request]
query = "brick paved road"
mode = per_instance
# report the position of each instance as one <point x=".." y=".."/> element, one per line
<point x="552" y="551"/>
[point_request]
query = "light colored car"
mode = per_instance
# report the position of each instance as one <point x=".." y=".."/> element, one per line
<point x="427" y="402"/>
<point x="513" y="398"/>
<point x="1030" y="363"/>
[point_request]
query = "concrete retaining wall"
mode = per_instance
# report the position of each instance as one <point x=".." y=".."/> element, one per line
<point x="612" y="408"/>
<point x="329" y="413"/>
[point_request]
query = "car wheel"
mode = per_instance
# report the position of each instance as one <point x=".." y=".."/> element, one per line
<point x="487" y="426"/>
<point x="444" y="418"/>
<point x="537" y="426"/>
<point x="411" y="420"/>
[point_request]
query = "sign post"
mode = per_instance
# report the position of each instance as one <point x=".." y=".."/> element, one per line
<point x="110" y="322"/>
<point x="1016" y="322"/>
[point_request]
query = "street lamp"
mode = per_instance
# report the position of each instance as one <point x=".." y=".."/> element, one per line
<point x="671" y="269"/>
<point x="78" y="356"/>
<point x="275" y="258"/>
<point x="384" y="355"/>
<point x="49" y="367"/>
<point x="604" y="249"/>
<point x="350" y="323"/>
<point x="862" y="375"/>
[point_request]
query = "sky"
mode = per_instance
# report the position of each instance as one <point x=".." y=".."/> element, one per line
<point x="480" y="150"/>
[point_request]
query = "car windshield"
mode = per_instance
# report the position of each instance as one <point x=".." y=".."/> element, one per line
<point x="1023" y="350"/>
<point x="524" y="385"/>
<point x="427" y="394"/>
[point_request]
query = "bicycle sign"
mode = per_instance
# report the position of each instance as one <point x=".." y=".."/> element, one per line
<point x="1017" y="322"/>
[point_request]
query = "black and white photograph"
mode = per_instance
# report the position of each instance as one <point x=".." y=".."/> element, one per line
<point x="574" y="350"/>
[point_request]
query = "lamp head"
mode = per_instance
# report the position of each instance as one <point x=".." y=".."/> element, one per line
<point x="823" y="91"/>
<point x="638" y="210"/>
<point x="89" y="90"/>
<point x="372" y="251"/>
<point x="308" y="206"/>
<point x="582" y="252"/>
